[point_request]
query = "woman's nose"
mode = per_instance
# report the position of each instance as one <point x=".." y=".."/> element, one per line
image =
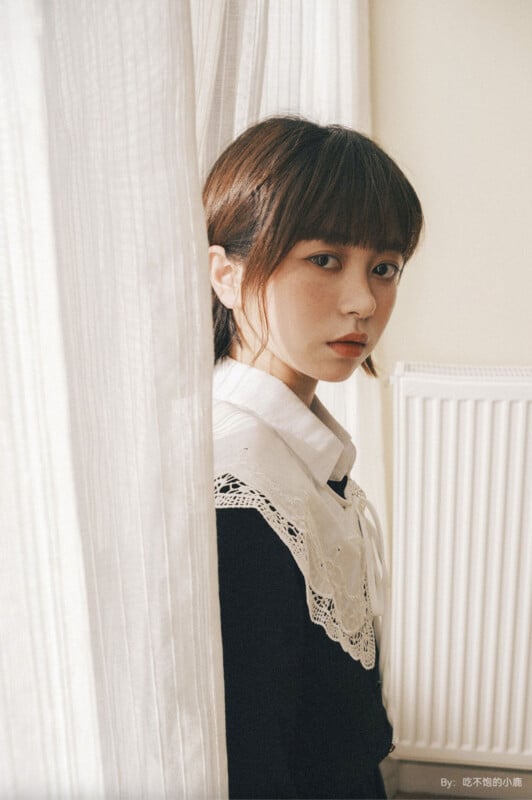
<point x="358" y="299"/>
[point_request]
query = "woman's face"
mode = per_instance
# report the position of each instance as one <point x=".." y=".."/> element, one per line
<point x="327" y="306"/>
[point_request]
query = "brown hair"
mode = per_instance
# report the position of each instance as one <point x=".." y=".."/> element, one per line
<point x="285" y="180"/>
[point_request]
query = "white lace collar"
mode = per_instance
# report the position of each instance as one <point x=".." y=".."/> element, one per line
<point x="311" y="433"/>
<point x="262" y="461"/>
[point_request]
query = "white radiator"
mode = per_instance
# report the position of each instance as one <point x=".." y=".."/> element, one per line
<point x="459" y="668"/>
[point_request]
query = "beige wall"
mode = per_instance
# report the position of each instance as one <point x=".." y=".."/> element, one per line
<point x="452" y="102"/>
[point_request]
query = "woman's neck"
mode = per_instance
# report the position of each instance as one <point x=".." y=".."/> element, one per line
<point x="302" y="385"/>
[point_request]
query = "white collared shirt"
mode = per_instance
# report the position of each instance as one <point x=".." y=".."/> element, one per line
<point x="311" y="433"/>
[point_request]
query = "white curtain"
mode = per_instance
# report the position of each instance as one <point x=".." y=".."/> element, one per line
<point x="261" y="57"/>
<point x="111" y="678"/>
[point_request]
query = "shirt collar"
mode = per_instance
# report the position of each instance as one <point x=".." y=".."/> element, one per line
<point x="311" y="433"/>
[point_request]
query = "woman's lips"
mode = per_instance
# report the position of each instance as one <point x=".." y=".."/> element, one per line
<point x="350" y="346"/>
<point x="347" y="349"/>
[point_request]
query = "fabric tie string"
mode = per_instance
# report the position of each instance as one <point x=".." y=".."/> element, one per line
<point x="374" y="548"/>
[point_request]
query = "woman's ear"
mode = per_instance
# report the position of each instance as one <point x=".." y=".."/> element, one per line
<point x="226" y="276"/>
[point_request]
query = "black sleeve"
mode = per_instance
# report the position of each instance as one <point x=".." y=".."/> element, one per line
<point x="262" y="600"/>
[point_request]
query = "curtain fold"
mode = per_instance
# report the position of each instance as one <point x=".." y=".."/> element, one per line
<point x="49" y="736"/>
<point x="255" y="58"/>
<point x="131" y="254"/>
<point x="317" y="61"/>
<point x="113" y="598"/>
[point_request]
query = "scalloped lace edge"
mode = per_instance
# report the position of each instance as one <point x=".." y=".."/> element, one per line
<point x="230" y="492"/>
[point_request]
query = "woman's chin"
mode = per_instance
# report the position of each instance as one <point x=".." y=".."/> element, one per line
<point x="338" y="372"/>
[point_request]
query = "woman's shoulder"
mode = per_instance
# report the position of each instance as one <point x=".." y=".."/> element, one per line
<point x="232" y="421"/>
<point x="246" y="447"/>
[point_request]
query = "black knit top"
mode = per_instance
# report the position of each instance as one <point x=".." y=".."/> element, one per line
<point x="303" y="719"/>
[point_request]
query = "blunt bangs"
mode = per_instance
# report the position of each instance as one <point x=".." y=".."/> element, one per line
<point x="350" y="192"/>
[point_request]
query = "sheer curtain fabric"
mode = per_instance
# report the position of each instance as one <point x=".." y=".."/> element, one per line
<point x="111" y="661"/>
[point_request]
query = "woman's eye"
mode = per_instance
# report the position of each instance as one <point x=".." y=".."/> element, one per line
<point x="388" y="271"/>
<point x="325" y="261"/>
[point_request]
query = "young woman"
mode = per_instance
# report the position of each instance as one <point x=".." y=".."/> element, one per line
<point x="309" y="230"/>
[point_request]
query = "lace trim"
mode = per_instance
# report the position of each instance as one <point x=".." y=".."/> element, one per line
<point x="353" y="627"/>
